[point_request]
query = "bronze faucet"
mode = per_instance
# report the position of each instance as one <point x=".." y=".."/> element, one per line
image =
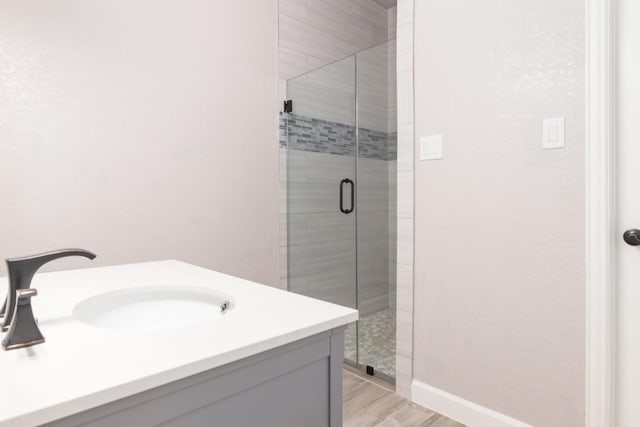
<point x="19" y="323"/>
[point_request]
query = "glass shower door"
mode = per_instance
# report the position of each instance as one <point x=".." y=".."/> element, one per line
<point x="320" y="193"/>
<point x="376" y="177"/>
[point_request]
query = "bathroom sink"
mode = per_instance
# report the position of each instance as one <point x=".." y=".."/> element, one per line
<point x="154" y="307"/>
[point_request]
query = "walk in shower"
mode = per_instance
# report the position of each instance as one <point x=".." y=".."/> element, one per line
<point x="338" y="152"/>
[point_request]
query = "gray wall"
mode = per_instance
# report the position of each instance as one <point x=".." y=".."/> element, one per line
<point x="499" y="284"/>
<point x="121" y="132"/>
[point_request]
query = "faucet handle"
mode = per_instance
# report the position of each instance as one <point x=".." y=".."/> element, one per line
<point x="21" y="272"/>
<point x="24" y="331"/>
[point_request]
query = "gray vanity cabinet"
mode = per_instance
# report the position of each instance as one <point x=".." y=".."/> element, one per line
<point x="296" y="385"/>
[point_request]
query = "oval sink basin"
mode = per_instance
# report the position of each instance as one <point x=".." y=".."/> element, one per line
<point x="154" y="307"/>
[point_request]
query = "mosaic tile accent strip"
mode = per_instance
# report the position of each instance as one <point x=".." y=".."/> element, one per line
<point x="321" y="136"/>
<point x="373" y="144"/>
<point x="282" y="130"/>
<point x="392" y="146"/>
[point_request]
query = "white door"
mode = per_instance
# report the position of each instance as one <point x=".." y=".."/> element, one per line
<point x="628" y="411"/>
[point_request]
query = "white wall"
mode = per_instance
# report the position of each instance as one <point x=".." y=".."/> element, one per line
<point x="499" y="249"/>
<point x="141" y="130"/>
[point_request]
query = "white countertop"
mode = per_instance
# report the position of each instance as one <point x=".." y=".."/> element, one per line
<point x="81" y="366"/>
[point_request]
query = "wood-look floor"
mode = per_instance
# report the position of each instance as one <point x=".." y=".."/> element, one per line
<point x="371" y="405"/>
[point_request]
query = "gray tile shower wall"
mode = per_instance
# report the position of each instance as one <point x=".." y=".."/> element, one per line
<point x="316" y="236"/>
<point x="321" y="136"/>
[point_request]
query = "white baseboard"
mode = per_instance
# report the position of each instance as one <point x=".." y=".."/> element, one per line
<point x="461" y="410"/>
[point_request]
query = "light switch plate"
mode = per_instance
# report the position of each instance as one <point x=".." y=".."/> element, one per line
<point x="431" y="147"/>
<point x="553" y="133"/>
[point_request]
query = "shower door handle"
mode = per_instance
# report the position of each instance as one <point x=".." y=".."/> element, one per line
<point x="342" y="183"/>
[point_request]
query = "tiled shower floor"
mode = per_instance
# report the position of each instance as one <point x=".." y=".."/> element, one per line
<point x="377" y="339"/>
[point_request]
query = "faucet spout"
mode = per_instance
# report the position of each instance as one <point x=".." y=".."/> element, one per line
<point x="38" y="260"/>
<point x="21" y="272"/>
